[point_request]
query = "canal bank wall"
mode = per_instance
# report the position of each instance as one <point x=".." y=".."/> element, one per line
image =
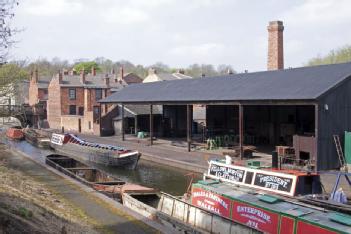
<point x="121" y="214"/>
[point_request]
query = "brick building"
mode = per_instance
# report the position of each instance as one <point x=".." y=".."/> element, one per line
<point x="72" y="101"/>
<point x="38" y="89"/>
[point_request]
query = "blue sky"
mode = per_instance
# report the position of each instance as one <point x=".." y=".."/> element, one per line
<point x="180" y="32"/>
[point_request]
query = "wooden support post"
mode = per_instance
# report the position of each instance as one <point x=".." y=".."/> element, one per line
<point x="122" y="113"/>
<point x="100" y="121"/>
<point x="188" y="126"/>
<point x="316" y="136"/>
<point x="241" y="131"/>
<point x="136" y="125"/>
<point x="151" y="125"/>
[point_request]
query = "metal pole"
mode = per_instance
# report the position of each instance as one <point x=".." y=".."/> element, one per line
<point x="241" y="131"/>
<point x="188" y="127"/>
<point x="122" y="113"/>
<point x="151" y="125"/>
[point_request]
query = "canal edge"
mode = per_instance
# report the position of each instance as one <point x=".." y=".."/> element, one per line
<point x="129" y="212"/>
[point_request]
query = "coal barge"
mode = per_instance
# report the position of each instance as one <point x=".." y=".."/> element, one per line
<point x="108" y="155"/>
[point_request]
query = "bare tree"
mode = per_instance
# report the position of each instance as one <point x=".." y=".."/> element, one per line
<point x="6" y="32"/>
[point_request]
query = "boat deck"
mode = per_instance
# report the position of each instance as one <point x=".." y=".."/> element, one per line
<point x="332" y="222"/>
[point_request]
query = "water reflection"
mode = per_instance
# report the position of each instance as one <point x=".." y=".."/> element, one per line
<point x="166" y="179"/>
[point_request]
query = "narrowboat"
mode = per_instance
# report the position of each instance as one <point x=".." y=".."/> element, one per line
<point x="37" y="138"/>
<point x="15" y="133"/>
<point x="109" y="155"/>
<point x="267" y="200"/>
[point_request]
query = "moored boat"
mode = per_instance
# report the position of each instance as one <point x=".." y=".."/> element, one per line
<point x="267" y="200"/>
<point x="109" y="155"/>
<point x="15" y="133"/>
<point x="37" y="138"/>
<point x="95" y="178"/>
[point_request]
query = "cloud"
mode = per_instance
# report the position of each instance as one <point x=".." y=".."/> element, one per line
<point x="199" y="51"/>
<point x="125" y="15"/>
<point x="51" y="7"/>
<point x="319" y="11"/>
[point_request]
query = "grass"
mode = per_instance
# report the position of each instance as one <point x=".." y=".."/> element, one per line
<point x="25" y="213"/>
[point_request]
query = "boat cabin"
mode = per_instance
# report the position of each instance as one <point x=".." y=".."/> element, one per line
<point x="282" y="182"/>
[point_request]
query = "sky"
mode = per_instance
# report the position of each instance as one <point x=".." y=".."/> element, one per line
<point x="179" y="32"/>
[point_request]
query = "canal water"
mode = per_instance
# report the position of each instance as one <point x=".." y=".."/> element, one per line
<point x="167" y="179"/>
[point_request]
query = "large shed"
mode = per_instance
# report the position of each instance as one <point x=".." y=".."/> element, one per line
<point x="315" y="99"/>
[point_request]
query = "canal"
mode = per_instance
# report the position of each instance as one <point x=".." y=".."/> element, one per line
<point x="166" y="179"/>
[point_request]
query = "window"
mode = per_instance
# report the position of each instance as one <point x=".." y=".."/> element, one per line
<point x="72" y="110"/>
<point x="96" y="114"/>
<point x="45" y="91"/>
<point x="72" y="94"/>
<point x="80" y="110"/>
<point x="98" y="94"/>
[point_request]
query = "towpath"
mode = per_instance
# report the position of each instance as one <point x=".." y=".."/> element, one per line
<point x="109" y="218"/>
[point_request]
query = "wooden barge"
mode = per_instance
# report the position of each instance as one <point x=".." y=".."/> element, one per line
<point x="109" y="155"/>
<point x="37" y="138"/>
<point x="265" y="200"/>
<point x="95" y="178"/>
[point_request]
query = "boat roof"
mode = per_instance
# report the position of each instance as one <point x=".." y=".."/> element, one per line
<point x="328" y="219"/>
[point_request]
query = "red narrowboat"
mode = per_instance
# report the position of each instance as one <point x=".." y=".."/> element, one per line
<point x="15" y="133"/>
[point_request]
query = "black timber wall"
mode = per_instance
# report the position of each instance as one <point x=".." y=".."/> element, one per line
<point x="335" y="120"/>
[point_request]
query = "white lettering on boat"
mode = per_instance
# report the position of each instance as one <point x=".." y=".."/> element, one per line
<point x="212" y="196"/>
<point x="247" y="211"/>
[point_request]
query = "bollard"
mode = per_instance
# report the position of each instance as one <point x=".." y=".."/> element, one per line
<point x="275" y="160"/>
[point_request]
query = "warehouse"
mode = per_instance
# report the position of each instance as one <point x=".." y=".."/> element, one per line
<point x="302" y="106"/>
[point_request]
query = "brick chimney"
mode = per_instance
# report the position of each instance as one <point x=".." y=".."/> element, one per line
<point x="275" y="45"/>
<point x="93" y="71"/>
<point x="107" y="80"/>
<point x="82" y="76"/>
<point x="35" y="76"/>
<point x="181" y="71"/>
<point x="60" y="76"/>
<point x="121" y="73"/>
<point x="152" y="71"/>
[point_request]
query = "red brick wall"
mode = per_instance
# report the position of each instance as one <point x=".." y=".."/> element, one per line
<point x="66" y="102"/>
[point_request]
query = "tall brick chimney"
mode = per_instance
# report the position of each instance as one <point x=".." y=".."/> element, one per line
<point x="121" y="73"/>
<point x="82" y="76"/>
<point x="275" y="45"/>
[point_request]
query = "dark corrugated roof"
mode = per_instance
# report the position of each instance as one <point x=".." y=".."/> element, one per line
<point x="305" y="83"/>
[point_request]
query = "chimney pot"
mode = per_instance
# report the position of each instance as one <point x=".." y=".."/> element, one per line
<point x="121" y="73"/>
<point x="59" y="76"/>
<point x="152" y="71"/>
<point x="107" y="80"/>
<point x="275" y="45"/>
<point x="82" y="76"/>
<point x="93" y="71"/>
<point x="181" y="71"/>
<point x="36" y="76"/>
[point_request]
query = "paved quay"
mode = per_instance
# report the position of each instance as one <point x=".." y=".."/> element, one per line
<point x="195" y="161"/>
<point x="161" y="153"/>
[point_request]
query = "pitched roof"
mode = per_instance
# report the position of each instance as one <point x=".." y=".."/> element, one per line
<point x="165" y="77"/>
<point x="91" y="81"/>
<point x="132" y="78"/>
<point x="305" y="83"/>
